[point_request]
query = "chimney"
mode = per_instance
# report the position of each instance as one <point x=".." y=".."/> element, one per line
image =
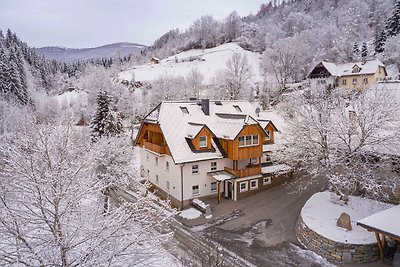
<point x="205" y="106"/>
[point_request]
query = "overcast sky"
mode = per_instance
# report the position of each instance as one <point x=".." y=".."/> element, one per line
<point x="90" y="23"/>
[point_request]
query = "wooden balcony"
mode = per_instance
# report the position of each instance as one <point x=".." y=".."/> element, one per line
<point x="249" y="171"/>
<point x="155" y="148"/>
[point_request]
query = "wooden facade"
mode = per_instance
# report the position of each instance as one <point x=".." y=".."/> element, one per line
<point x="151" y="137"/>
<point x="205" y="132"/>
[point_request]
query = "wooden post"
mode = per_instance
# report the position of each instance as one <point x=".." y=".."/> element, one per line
<point x="219" y="193"/>
<point x="378" y="239"/>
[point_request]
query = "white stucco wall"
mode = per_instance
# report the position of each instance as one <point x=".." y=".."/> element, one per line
<point x="173" y="175"/>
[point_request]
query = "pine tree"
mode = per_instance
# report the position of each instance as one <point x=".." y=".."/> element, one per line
<point x="356" y="50"/>
<point x="106" y="122"/>
<point x="393" y="22"/>
<point x="364" y="50"/>
<point x="380" y="42"/>
<point x="4" y="83"/>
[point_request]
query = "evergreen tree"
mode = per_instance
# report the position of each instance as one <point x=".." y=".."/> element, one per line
<point x="4" y="90"/>
<point x="380" y="42"/>
<point x="106" y="122"/>
<point x="364" y="50"/>
<point x="393" y="22"/>
<point x="356" y="50"/>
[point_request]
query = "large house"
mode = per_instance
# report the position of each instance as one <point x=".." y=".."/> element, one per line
<point x="202" y="149"/>
<point x="356" y="75"/>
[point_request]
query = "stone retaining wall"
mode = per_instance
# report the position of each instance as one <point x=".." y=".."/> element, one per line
<point x="333" y="251"/>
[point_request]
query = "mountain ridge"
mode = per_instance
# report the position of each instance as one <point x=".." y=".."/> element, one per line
<point x="61" y="53"/>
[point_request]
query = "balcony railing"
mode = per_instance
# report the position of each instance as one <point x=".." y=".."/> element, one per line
<point x="249" y="171"/>
<point x="155" y="148"/>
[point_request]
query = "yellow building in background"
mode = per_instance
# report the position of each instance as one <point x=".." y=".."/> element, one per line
<point x="355" y="75"/>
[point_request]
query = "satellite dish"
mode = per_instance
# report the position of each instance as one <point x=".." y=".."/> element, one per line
<point x="257" y="111"/>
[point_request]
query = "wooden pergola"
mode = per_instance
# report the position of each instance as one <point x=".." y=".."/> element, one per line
<point x="221" y="177"/>
<point x="384" y="224"/>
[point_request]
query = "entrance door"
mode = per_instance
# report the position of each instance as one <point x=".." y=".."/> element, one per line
<point x="230" y="190"/>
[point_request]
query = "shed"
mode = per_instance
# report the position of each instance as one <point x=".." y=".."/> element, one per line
<point x="385" y="223"/>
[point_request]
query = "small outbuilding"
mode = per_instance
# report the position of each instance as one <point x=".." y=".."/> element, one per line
<point x="155" y="60"/>
<point x="385" y="224"/>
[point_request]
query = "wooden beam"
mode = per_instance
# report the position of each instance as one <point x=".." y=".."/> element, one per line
<point x="378" y="239"/>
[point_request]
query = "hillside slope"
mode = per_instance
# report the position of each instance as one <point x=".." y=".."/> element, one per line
<point x="207" y="61"/>
<point x="106" y="51"/>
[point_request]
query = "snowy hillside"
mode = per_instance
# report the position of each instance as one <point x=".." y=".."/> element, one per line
<point x="107" y="51"/>
<point x="207" y="61"/>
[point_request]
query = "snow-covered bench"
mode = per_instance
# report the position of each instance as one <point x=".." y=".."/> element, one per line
<point x="203" y="207"/>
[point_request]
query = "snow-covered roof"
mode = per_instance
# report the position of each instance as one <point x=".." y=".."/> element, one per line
<point x="346" y="69"/>
<point x="222" y="176"/>
<point x="181" y="120"/>
<point x="385" y="222"/>
<point x="280" y="168"/>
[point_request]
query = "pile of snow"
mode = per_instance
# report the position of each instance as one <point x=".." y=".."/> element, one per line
<point x="322" y="210"/>
<point x="190" y="214"/>
<point x="207" y="61"/>
<point x="200" y="203"/>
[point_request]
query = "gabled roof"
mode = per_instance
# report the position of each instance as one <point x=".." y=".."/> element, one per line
<point x="224" y="122"/>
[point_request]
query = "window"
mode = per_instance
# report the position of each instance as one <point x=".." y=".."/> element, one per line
<point x="214" y="187"/>
<point x="195" y="169"/>
<point x="267" y="180"/>
<point x="243" y="186"/>
<point x="167" y="185"/>
<point x="214" y="166"/>
<point x="365" y="80"/>
<point x="268" y="158"/>
<point x="203" y="141"/>
<point x="255" y="139"/>
<point x="156" y="161"/>
<point x="167" y="166"/>
<point x="253" y="184"/>
<point x="184" y="110"/>
<point x="237" y="108"/>
<point x="248" y="140"/>
<point x="241" y="141"/>
<point x="157" y="179"/>
<point x="354" y="81"/>
<point x="253" y="161"/>
<point x="195" y="190"/>
<point x="267" y="135"/>
<point x="344" y="82"/>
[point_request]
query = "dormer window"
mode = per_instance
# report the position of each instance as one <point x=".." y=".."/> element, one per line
<point x="203" y="141"/>
<point x="356" y="69"/>
<point x="267" y="135"/>
<point x="237" y="108"/>
<point x="184" y="110"/>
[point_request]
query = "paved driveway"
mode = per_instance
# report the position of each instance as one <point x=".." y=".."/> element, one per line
<point x="261" y="228"/>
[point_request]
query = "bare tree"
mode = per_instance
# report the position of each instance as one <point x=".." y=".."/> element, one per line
<point x="283" y="60"/>
<point x="194" y="80"/>
<point x="234" y="80"/>
<point x="50" y="213"/>
<point x="344" y="135"/>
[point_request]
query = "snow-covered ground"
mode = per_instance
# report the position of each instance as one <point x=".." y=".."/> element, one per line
<point x="207" y="61"/>
<point x="72" y="97"/>
<point x="322" y="210"/>
<point x="190" y="213"/>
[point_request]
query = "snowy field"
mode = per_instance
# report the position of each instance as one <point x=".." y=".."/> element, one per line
<point x="207" y="61"/>
<point x="322" y="210"/>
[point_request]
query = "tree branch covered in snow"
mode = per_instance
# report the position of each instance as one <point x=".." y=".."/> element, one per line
<point x="341" y="134"/>
<point x="51" y="212"/>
